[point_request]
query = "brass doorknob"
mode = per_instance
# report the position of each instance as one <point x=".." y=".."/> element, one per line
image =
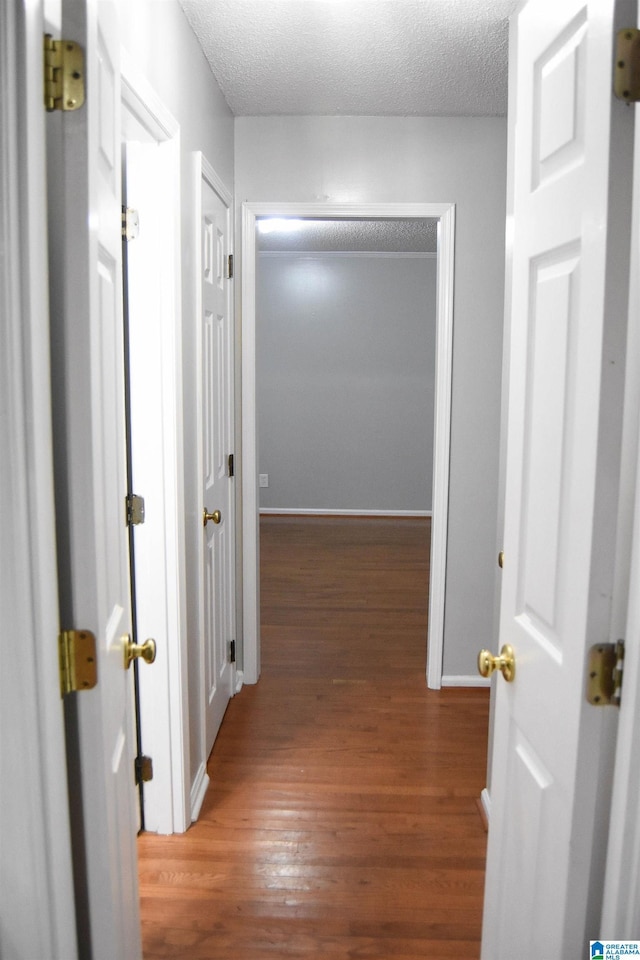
<point x="146" y="651"/>
<point x="216" y="516"/>
<point x="505" y="663"/>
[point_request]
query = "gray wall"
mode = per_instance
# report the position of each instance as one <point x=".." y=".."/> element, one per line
<point x="345" y="378"/>
<point x="185" y="84"/>
<point x="403" y="159"/>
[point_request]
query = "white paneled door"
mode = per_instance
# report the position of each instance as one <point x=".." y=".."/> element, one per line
<point x="91" y="484"/>
<point x="551" y="780"/>
<point x="218" y="555"/>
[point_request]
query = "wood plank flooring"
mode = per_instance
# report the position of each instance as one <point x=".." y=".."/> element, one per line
<point x="341" y="821"/>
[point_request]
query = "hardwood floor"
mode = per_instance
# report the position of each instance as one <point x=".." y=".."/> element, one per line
<point x="341" y="821"/>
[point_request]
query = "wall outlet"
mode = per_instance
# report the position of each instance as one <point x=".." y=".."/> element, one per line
<point x="263" y="479"/>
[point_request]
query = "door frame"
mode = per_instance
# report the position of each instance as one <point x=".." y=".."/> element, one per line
<point x="621" y="906"/>
<point x="621" y="901"/>
<point x="36" y="842"/>
<point x="164" y="704"/>
<point x="445" y="214"/>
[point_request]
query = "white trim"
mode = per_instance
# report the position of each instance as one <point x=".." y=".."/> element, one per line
<point x="621" y="901"/>
<point x="35" y="864"/>
<point x="342" y="211"/>
<point x="250" y="501"/>
<point x="445" y="213"/>
<point x="441" y="446"/>
<point x="351" y="254"/>
<point x="164" y="689"/>
<point x="199" y="789"/>
<point x="214" y="181"/>
<point x="308" y="512"/>
<point x="485" y="800"/>
<point x="143" y="102"/>
<point x="465" y="680"/>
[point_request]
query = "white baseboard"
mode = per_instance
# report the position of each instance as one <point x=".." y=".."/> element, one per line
<point x="295" y="512"/>
<point x="198" y="791"/>
<point x="239" y="681"/>
<point x="465" y="680"/>
<point x="485" y="800"/>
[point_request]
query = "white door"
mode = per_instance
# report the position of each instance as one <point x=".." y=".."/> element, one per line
<point x="550" y="786"/>
<point x="217" y="572"/>
<point x="36" y="883"/>
<point x="91" y="483"/>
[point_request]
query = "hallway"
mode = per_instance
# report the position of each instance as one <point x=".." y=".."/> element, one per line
<point x="341" y="820"/>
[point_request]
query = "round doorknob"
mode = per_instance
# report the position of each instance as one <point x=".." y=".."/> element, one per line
<point x="145" y="651"/>
<point x="216" y="516"/>
<point x="505" y="663"/>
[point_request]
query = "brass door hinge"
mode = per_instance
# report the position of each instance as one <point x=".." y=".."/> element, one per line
<point x="230" y="267"/>
<point x="63" y="74"/>
<point x="78" y="661"/>
<point x="626" y="74"/>
<point x="143" y="769"/>
<point x="135" y="510"/>
<point x="130" y="224"/>
<point x="604" y="681"/>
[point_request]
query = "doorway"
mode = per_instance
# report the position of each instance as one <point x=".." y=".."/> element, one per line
<point x="444" y="214"/>
<point x="346" y="324"/>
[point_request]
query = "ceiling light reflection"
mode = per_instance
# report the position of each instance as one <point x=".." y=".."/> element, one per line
<point x="279" y="225"/>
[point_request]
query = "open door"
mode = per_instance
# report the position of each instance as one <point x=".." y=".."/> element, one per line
<point x="571" y="170"/>
<point x="89" y="424"/>
<point x="36" y="883"/>
<point x="217" y="568"/>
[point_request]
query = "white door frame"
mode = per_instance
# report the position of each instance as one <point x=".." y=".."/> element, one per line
<point x="164" y="701"/>
<point x="35" y="866"/>
<point x="621" y="902"/>
<point x="445" y="213"/>
<point x="621" y="906"/>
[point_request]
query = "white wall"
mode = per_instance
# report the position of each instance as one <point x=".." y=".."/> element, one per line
<point x="184" y="82"/>
<point x="405" y="159"/>
<point x="149" y="31"/>
<point x="345" y="381"/>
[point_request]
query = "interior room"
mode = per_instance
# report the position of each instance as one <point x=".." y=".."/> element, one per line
<point x="346" y="366"/>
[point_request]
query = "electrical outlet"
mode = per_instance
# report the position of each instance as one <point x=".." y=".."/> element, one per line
<point x="263" y="479"/>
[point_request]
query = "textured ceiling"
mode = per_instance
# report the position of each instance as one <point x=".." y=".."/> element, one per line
<point x="310" y="236"/>
<point x="357" y="57"/>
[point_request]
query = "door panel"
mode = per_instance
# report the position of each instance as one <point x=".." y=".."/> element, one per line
<point x="549" y="370"/>
<point x="532" y="784"/>
<point x="91" y="487"/>
<point x="551" y="748"/>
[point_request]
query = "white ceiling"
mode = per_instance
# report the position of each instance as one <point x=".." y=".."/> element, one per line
<point x="311" y="236"/>
<point x="357" y="57"/>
